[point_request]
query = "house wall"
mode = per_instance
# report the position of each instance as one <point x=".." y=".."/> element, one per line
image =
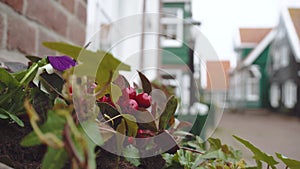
<point x="239" y="82"/>
<point x="284" y="74"/>
<point x="245" y="52"/>
<point x="124" y="22"/>
<point x="264" y="81"/>
<point x="181" y="53"/>
<point x="25" y="24"/>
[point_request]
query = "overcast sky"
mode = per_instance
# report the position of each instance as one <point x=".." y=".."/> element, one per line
<point x="221" y="19"/>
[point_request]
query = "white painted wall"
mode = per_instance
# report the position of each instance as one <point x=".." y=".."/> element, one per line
<point x="126" y="26"/>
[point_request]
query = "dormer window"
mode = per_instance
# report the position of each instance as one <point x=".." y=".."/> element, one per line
<point x="172" y="27"/>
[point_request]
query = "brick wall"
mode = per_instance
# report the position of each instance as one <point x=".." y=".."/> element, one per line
<point x="25" y="24"/>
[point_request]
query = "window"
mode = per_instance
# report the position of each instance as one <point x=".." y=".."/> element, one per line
<point x="274" y="95"/>
<point x="172" y="27"/>
<point x="276" y="59"/>
<point x="284" y="52"/>
<point x="105" y="36"/>
<point x="253" y="79"/>
<point x="289" y="94"/>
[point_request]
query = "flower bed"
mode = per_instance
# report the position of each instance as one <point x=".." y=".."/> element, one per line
<point x="82" y="113"/>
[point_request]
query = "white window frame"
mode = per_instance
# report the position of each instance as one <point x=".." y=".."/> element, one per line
<point x="175" y="20"/>
<point x="274" y="95"/>
<point x="276" y="59"/>
<point x="253" y="83"/>
<point x="289" y="92"/>
<point x="284" y="52"/>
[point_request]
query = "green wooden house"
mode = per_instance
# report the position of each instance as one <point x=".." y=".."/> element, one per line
<point x="177" y="42"/>
<point x="249" y="81"/>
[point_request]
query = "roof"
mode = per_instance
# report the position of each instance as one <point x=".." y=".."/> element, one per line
<point x="253" y="35"/>
<point x="217" y="75"/>
<point x="255" y="53"/>
<point x="291" y="17"/>
<point x="295" y="17"/>
<point x="249" y="37"/>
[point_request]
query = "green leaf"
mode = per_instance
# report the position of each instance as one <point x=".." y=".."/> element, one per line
<point x="146" y="84"/>
<point x="168" y="140"/>
<point x="146" y="120"/>
<point x="109" y="112"/>
<point x="52" y="82"/>
<point x="167" y="114"/>
<point x="16" y="119"/>
<point x="258" y="154"/>
<point x="93" y="139"/>
<point x="91" y="153"/>
<point x="54" y="124"/>
<point x="25" y="77"/>
<point x="106" y="131"/>
<point x="3" y="116"/>
<point x="215" y="144"/>
<point x="70" y="50"/>
<point x="13" y="117"/>
<point x="131" y="124"/>
<point x="92" y="131"/>
<point x="217" y="154"/>
<point x="54" y="158"/>
<point x="131" y="154"/>
<point x="120" y="136"/>
<point x="116" y="93"/>
<point x="291" y="163"/>
<point x="8" y="79"/>
<point x="33" y="58"/>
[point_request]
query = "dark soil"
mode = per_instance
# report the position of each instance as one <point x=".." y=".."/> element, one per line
<point x="107" y="160"/>
<point x="16" y="156"/>
<point x="12" y="153"/>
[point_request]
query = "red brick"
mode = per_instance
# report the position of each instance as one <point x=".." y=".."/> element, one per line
<point x="68" y="4"/>
<point x="20" y="35"/>
<point x="1" y="30"/>
<point x="17" y="5"/>
<point x="76" y="32"/>
<point x="47" y="13"/>
<point x="81" y="12"/>
<point x="45" y="37"/>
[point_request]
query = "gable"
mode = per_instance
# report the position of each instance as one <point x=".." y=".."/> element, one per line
<point x="256" y="52"/>
<point x="253" y="35"/>
<point x="291" y="23"/>
<point x="295" y="17"/>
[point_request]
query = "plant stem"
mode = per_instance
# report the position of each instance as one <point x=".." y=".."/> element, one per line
<point x="70" y="147"/>
<point x="106" y="85"/>
<point x="30" y="71"/>
<point x="192" y="150"/>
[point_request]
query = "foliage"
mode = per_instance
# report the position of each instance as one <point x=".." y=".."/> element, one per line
<point x="194" y="155"/>
<point x="260" y="157"/>
<point x="74" y="111"/>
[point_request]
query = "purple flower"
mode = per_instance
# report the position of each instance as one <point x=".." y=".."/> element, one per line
<point x="61" y="63"/>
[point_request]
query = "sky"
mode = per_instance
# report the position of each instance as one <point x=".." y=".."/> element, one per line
<point x="220" y="20"/>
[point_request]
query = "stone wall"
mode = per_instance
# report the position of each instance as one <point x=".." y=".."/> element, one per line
<point x="25" y="24"/>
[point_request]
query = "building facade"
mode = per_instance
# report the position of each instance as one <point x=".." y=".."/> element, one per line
<point x="284" y="64"/>
<point x="249" y="80"/>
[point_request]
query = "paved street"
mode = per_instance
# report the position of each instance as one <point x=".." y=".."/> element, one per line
<point x="270" y="132"/>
